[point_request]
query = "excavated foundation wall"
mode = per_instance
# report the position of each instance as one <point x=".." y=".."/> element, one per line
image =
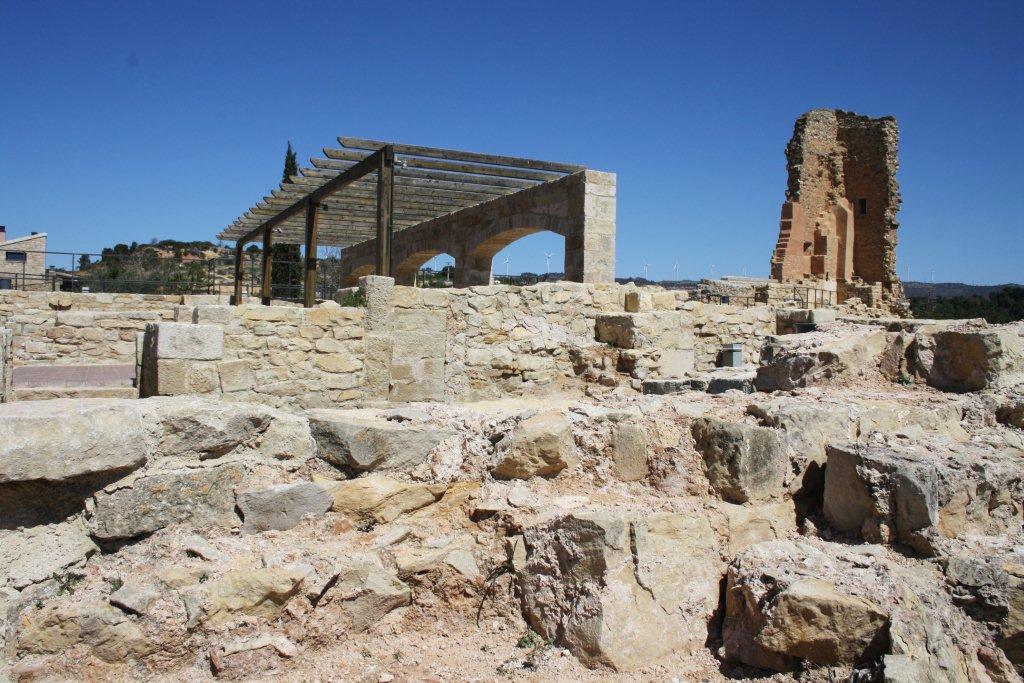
<point x="406" y="344"/>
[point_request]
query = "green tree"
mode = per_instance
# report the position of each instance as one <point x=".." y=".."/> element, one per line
<point x="84" y="261"/>
<point x="291" y="165"/>
<point x="286" y="272"/>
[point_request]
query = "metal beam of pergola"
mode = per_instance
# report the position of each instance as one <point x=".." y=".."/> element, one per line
<point x="338" y="202"/>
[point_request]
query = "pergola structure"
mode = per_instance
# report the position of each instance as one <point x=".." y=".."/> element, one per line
<point x="368" y="190"/>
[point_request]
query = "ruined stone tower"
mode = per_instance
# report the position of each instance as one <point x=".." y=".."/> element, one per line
<point x="839" y="219"/>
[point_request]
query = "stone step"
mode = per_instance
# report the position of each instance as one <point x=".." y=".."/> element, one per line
<point x="73" y="376"/>
<point x="47" y="393"/>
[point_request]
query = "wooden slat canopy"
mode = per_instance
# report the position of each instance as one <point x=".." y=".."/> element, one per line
<point x="429" y="182"/>
<point x="370" y="188"/>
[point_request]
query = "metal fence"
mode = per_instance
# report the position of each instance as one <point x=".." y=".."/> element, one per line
<point x="146" y="272"/>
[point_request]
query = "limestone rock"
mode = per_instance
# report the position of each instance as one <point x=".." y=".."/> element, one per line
<point x="917" y="496"/>
<point x="257" y="592"/>
<point x="382" y="498"/>
<point x="619" y="591"/>
<point x="365" y="443"/>
<point x="974" y="360"/>
<point x="37" y="553"/>
<point x="744" y="462"/>
<point x="778" y="612"/>
<point x="59" y="626"/>
<point x="281" y="507"/>
<point x="795" y="365"/>
<point x="201" y="497"/>
<point x="61" y="439"/>
<point x="135" y="598"/>
<point x="541" y="445"/>
<point x="183" y="341"/>
<point x="629" y="452"/>
<point x="747" y="525"/>
<point x="362" y="593"/>
<point x="248" y="658"/>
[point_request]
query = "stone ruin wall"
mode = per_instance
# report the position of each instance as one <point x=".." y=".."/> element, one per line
<point x="413" y="344"/>
<point x="835" y="159"/>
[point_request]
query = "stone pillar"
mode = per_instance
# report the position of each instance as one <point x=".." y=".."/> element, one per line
<point x="471" y="272"/>
<point x="180" y="358"/>
<point x="376" y="291"/>
<point x="590" y="246"/>
<point x="377" y="340"/>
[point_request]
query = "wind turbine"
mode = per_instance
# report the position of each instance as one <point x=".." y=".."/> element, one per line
<point x="547" y="262"/>
<point x="712" y="271"/>
<point x="645" y="268"/>
<point x="675" y="269"/>
<point x="506" y="270"/>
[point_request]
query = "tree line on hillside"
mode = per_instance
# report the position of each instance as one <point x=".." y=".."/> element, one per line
<point x="1004" y="306"/>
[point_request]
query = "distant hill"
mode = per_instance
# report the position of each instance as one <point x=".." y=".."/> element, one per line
<point x="948" y="290"/>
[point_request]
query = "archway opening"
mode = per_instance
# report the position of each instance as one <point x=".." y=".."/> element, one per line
<point x="428" y="268"/>
<point x="536" y="257"/>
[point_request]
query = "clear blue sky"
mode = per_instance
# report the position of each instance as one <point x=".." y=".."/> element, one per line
<point x="127" y="121"/>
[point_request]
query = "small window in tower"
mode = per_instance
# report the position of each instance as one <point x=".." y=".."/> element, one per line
<point x="862" y="207"/>
<point x="808" y="247"/>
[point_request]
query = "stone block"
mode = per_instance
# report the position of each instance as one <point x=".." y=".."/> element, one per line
<point x="376" y="291"/>
<point x="212" y="315"/>
<point x="361" y="442"/>
<point x="179" y="377"/>
<point x="201" y="497"/>
<point x="181" y="341"/>
<point x="629" y="452"/>
<point x="281" y="507"/>
<point x="235" y="375"/>
<point x="744" y="462"/>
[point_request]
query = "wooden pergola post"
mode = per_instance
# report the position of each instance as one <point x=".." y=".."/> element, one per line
<point x="236" y="298"/>
<point x="309" y="283"/>
<point x="267" y="267"/>
<point x="385" y="208"/>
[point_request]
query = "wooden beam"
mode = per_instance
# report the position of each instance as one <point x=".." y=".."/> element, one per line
<point x="237" y="298"/>
<point x="423" y="184"/>
<point x="456" y="155"/>
<point x="385" y="205"/>
<point x="456" y="180"/>
<point x="364" y="167"/>
<point x="267" y="265"/>
<point x="309" y="282"/>
<point x="455" y="166"/>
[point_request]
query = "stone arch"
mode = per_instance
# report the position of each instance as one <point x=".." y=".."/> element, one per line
<point x="351" y="278"/>
<point x="406" y="269"/>
<point x="478" y="262"/>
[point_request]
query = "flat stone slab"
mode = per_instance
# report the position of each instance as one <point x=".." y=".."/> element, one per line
<point x="51" y="376"/>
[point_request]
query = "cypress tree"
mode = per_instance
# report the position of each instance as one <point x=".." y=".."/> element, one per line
<point x="286" y="273"/>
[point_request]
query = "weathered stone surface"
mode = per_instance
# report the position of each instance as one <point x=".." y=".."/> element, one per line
<point x="367" y="443"/>
<point x="235" y="375"/>
<point x="851" y="356"/>
<point x="918" y="497"/>
<point x="248" y="658"/>
<point x="186" y="342"/>
<point x="778" y="612"/>
<point x="257" y="592"/>
<point x="281" y="507"/>
<point x="37" y="553"/>
<point x="190" y="428"/>
<point x="744" y="462"/>
<point x="747" y="525"/>
<point x="974" y="360"/>
<point x="108" y="632"/>
<point x="618" y="591"/>
<point x="361" y="594"/>
<point x="629" y="452"/>
<point x="991" y="590"/>
<point x="201" y="497"/>
<point x="541" y="445"/>
<point x="59" y="440"/>
<point x="134" y="598"/>
<point x="382" y="498"/>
